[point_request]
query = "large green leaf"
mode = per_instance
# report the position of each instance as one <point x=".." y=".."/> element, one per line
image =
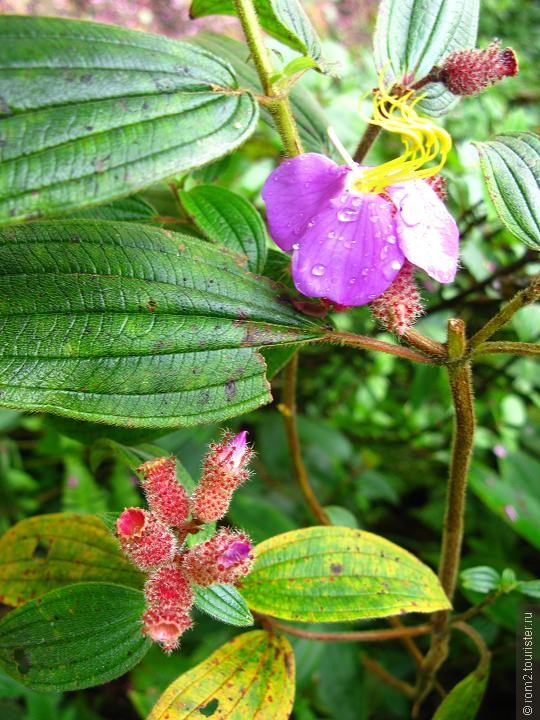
<point x="285" y="20"/>
<point x="413" y="36"/>
<point x="47" y="552"/>
<point x="511" y="167"/>
<point x="310" y="118"/>
<point x="249" y="678"/>
<point x="229" y="220"/>
<point x="322" y="574"/>
<point x="132" y="325"/>
<point x="75" y="637"/>
<point x="92" y="112"/>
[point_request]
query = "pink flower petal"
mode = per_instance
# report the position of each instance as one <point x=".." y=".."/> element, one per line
<point x="349" y="254"/>
<point x="428" y="234"/>
<point x="297" y="190"/>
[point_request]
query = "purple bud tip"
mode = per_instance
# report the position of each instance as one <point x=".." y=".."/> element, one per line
<point x="234" y="452"/>
<point x="236" y="553"/>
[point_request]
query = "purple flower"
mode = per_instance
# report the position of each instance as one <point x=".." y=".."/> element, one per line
<point x="348" y="246"/>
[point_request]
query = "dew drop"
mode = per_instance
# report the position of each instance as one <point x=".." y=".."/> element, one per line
<point x="357" y="202"/>
<point x="318" y="270"/>
<point x="395" y="265"/>
<point x="296" y="246"/>
<point x="372" y="297"/>
<point x="310" y="224"/>
<point x="343" y="198"/>
<point x="373" y="218"/>
<point x="384" y="252"/>
<point x="347" y="215"/>
<point x="348" y="244"/>
<point x="365" y="271"/>
<point x="352" y="281"/>
<point x="331" y="235"/>
<point x="391" y="239"/>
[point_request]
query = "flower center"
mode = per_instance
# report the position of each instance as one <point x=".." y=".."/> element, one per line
<point x="424" y="143"/>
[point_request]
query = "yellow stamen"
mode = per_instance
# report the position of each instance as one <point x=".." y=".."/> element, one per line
<point x="424" y="142"/>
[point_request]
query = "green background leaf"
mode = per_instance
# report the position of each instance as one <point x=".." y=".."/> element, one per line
<point x="511" y="167"/>
<point x="132" y="325"/>
<point x="464" y="699"/>
<point x="47" y="552"/>
<point x="412" y="36"/>
<point x="92" y="112"/>
<point x="229" y="220"/>
<point x="223" y="602"/>
<point x="75" y="637"/>
<point x="335" y="574"/>
<point x="251" y="677"/>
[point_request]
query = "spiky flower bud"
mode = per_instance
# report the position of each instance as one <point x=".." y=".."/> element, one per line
<point x="466" y="72"/>
<point x="168" y="587"/>
<point x="165" y="626"/>
<point x="167" y="499"/>
<point x="146" y="541"/>
<point x="224" y="470"/>
<point x="224" y="558"/>
<point x="399" y="307"/>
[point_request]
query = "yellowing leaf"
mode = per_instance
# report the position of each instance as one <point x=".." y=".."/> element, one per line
<point x="322" y="574"/>
<point x="249" y="678"/>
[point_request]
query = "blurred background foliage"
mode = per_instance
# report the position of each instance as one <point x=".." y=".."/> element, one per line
<point x="375" y="430"/>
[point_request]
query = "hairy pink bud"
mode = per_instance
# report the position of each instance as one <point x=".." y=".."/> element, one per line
<point x="224" y="470"/>
<point x="167" y="499"/>
<point x="224" y="558"/>
<point x="146" y="541"/>
<point x="168" y="587"/>
<point x="165" y="626"/>
<point x="399" y="307"/>
<point x="466" y="72"/>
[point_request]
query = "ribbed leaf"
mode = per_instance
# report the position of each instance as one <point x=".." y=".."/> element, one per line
<point x="511" y="167"/>
<point x="322" y="574"/>
<point x="75" y="637"/>
<point x="92" y="112"/>
<point x="249" y="678"/>
<point x="47" y="552"/>
<point x="412" y="36"/>
<point x="285" y="20"/>
<point x="132" y="325"/>
<point x="482" y="579"/>
<point x="224" y="603"/>
<point x="131" y="209"/>
<point x="464" y="699"/>
<point x="229" y="220"/>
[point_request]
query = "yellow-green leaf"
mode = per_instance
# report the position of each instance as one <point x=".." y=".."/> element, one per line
<point x="252" y="676"/>
<point x="47" y="552"/>
<point x="336" y="574"/>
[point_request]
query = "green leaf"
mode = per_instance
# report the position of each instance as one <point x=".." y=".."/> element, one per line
<point x="224" y="603"/>
<point x="75" y="637"/>
<point x="93" y="112"/>
<point x="229" y="220"/>
<point x="309" y="115"/>
<point x="413" y="36"/>
<point x="511" y="167"/>
<point x="465" y="698"/>
<point x="482" y="579"/>
<point x="81" y="492"/>
<point x="284" y="20"/>
<point x="151" y="328"/>
<point x="131" y="209"/>
<point x="529" y="587"/>
<point x="47" y="552"/>
<point x="249" y="678"/>
<point x="330" y="574"/>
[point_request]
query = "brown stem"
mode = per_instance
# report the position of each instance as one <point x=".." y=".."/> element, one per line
<point x="288" y="410"/>
<point x="513" y="348"/>
<point x="371" y="133"/>
<point x="478" y="640"/>
<point x="525" y="297"/>
<point x="367" y="343"/>
<point x="425" y="344"/>
<point x="352" y="635"/>
<point x="478" y="608"/>
<point x="377" y="669"/>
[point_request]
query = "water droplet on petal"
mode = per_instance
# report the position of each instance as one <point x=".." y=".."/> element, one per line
<point x="349" y="244"/>
<point x="395" y="265"/>
<point x="384" y="252"/>
<point x="347" y="215"/>
<point x="373" y="218"/>
<point x="296" y="246"/>
<point x="352" y="281"/>
<point x="365" y="271"/>
<point x="331" y="235"/>
<point x="318" y="270"/>
<point x="391" y="239"/>
<point x="357" y="202"/>
<point x="344" y="197"/>
<point x="310" y="224"/>
<point x="372" y="297"/>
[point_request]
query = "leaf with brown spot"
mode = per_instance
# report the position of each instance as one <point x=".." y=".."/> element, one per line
<point x="252" y="677"/>
<point x="46" y="552"/>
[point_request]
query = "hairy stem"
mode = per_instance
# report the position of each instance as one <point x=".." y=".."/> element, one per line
<point x="367" y="343"/>
<point x="478" y="608"/>
<point x="371" y="133"/>
<point x="478" y="640"/>
<point x="382" y="673"/>
<point x="279" y="105"/>
<point x="512" y="348"/>
<point x="288" y="410"/>
<point x="525" y="297"/>
<point x="352" y="635"/>
<point x="425" y="344"/>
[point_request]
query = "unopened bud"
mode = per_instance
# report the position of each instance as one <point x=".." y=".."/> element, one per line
<point x="466" y="72"/>
<point x="165" y="626"/>
<point x="400" y="306"/>
<point x="224" y="470"/>
<point x="224" y="558"/>
<point x="146" y="541"/>
<point x="167" y="499"/>
<point x="168" y="587"/>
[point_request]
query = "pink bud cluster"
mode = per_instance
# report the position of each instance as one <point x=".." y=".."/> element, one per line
<point x="400" y="306"/>
<point x="466" y="72"/>
<point x="153" y="539"/>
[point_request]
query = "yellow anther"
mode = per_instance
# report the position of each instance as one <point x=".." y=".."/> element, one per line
<point x="424" y="142"/>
